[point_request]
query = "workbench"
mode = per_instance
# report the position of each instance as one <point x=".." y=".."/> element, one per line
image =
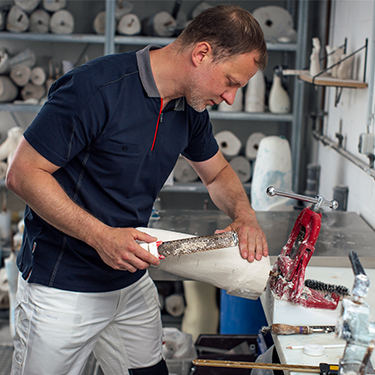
<point x="340" y="233"/>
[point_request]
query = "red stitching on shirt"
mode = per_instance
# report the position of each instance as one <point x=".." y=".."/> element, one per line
<point x="157" y="125"/>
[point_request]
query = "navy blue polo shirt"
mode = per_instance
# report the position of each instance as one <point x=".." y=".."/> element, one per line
<point x="103" y="126"/>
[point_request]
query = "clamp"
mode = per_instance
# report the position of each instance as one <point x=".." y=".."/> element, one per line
<point x="287" y="276"/>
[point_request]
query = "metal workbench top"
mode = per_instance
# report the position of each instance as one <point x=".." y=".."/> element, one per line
<point x="340" y="232"/>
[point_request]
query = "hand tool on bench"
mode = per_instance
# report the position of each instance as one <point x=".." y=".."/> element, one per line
<point x="287" y="276"/>
<point x="192" y="245"/>
<point x="286" y="329"/>
<point x="322" y="369"/>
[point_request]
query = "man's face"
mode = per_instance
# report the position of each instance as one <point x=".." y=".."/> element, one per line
<point x="214" y="83"/>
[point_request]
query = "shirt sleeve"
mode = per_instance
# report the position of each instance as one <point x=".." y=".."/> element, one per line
<point x="73" y="115"/>
<point x="202" y="143"/>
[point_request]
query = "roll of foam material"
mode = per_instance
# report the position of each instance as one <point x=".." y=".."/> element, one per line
<point x="62" y="22"/>
<point x="27" y="5"/>
<point x="38" y="76"/>
<point x="222" y="268"/>
<point x="39" y="22"/>
<point x="275" y="21"/>
<point x="242" y="167"/>
<point x="161" y="24"/>
<point x="175" y="304"/>
<point x="273" y="166"/>
<point x="8" y="90"/>
<point x="54" y="5"/>
<point x="129" y="24"/>
<point x="229" y="144"/>
<point x="20" y="75"/>
<point x="99" y="23"/>
<point x="252" y="145"/>
<point x="17" y="20"/>
<point x="183" y="171"/>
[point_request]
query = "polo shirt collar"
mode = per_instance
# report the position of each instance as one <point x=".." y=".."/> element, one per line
<point x="147" y="78"/>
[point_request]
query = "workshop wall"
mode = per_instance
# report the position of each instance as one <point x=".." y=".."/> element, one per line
<point x="352" y="20"/>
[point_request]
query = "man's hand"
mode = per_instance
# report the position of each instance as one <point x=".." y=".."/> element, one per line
<point x="253" y="243"/>
<point x="118" y="249"/>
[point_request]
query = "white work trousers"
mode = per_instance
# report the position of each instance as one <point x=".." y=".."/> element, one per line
<point x="56" y="330"/>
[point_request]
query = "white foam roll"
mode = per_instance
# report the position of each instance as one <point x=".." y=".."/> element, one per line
<point x="62" y="22"/>
<point x="122" y="8"/>
<point x="99" y="23"/>
<point x="20" y="75"/>
<point x="183" y="171"/>
<point x="252" y="145"/>
<point x="8" y="90"/>
<point x="255" y="93"/>
<point x="129" y="24"/>
<point x="39" y="22"/>
<point x="17" y="20"/>
<point x="201" y="7"/>
<point x="161" y="24"/>
<point x="237" y="105"/>
<point x="30" y="91"/>
<point x="229" y="144"/>
<point x="8" y="147"/>
<point x="242" y="167"/>
<point x="38" y="76"/>
<point x="274" y="20"/>
<point x="222" y="268"/>
<point x="4" y="61"/>
<point x="174" y="305"/>
<point x="27" y="5"/>
<point x="25" y="57"/>
<point x="54" y="5"/>
<point x="2" y="19"/>
<point x="273" y="167"/>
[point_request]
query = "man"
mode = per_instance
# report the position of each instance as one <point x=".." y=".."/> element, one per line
<point x="90" y="167"/>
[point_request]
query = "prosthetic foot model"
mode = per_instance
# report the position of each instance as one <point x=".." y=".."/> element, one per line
<point x="287" y="277"/>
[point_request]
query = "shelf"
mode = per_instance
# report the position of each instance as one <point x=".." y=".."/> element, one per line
<point x="251" y="116"/>
<point x="70" y="38"/>
<point x="326" y="80"/>
<point x="137" y="40"/>
<point x="216" y="115"/>
<point x="193" y="187"/>
<point x="9" y="107"/>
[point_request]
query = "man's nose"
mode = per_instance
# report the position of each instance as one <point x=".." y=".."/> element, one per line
<point x="229" y="96"/>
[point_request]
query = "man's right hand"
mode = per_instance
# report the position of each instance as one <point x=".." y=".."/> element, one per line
<point x="118" y="249"/>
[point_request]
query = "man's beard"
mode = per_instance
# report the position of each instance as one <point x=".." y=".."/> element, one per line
<point x="194" y="100"/>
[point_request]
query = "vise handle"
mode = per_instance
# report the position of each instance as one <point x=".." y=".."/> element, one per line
<point x="318" y="200"/>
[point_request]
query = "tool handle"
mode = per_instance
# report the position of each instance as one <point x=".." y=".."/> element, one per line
<point x="286" y="329"/>
<point x="356" y="264"/>
<point x="272" y="191"/>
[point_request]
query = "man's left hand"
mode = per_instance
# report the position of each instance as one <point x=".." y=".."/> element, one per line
<point x="252" y="240"/>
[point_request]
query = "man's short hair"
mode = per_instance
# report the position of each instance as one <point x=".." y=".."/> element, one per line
<point x="230" y="30"/>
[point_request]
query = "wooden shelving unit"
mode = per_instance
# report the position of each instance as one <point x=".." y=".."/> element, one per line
<point x="327" y="80"/>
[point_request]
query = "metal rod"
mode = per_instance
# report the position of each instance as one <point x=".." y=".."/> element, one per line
<point x="347" y="155"/>
<point x="265" y="366"/>
<point x="272" y="191"/>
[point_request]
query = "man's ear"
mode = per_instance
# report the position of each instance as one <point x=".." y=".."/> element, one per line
<point x="201" y="51"/>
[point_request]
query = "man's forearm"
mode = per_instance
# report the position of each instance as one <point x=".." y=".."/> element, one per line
<point x="229" y="195"/>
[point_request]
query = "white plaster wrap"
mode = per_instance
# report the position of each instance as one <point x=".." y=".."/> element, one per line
<point x="223" y="268"/>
